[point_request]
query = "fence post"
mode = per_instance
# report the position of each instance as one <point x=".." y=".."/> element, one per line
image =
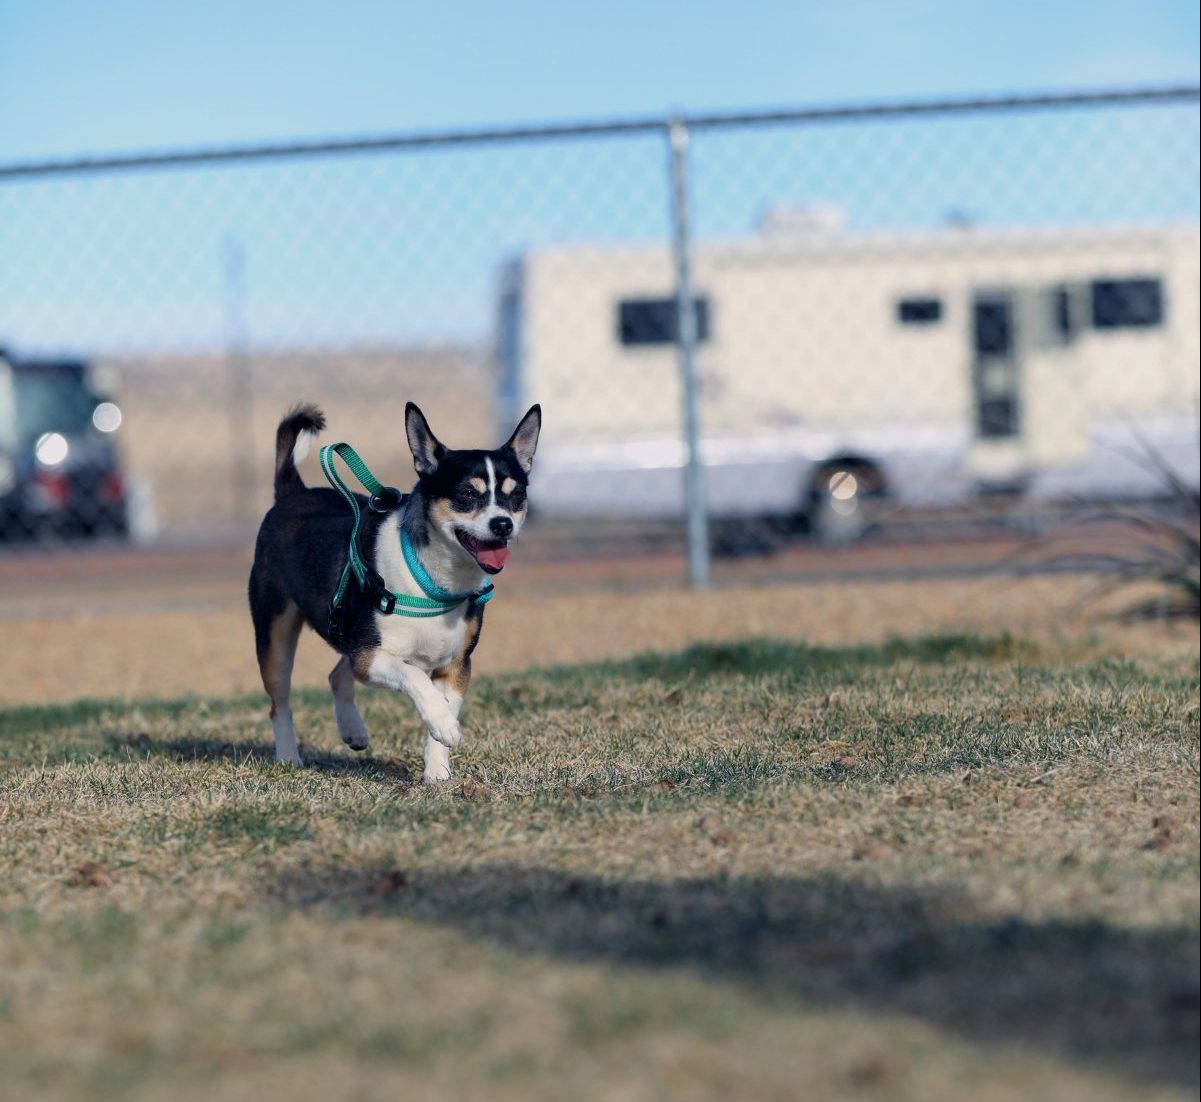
<point x="695" y="507"/>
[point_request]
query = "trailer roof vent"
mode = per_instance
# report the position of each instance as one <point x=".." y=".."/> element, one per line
<point x="803" y="220"/>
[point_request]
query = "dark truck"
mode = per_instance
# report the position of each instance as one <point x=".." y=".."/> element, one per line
<point x="60" y="472"/>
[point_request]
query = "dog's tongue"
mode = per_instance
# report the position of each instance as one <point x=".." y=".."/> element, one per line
<point x="493" y="556"/>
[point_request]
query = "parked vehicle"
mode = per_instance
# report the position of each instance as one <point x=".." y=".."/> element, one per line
<point x="838" y="368"/>
<point x="60" y="472"/>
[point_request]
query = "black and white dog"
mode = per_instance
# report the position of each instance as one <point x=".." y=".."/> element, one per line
<point x="459" y="518"/>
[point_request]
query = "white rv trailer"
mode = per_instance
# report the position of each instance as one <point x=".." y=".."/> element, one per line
<point x="926" y="366"/>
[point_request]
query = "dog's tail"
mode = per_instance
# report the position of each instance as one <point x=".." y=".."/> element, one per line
<point x="301" y="424"/>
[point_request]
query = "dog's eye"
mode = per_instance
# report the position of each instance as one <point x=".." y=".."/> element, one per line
<point x="467" y="495"/>
<point x="517" y="499"/>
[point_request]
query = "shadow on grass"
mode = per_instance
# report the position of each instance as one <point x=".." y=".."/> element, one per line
<point x="212" y="749"/>
<point x="1121" y="998"/>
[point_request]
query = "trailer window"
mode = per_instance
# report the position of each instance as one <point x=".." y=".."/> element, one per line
<point x="653" y="320"/>
<point x="919" y="311"/>
<point x="1127" y="303"/>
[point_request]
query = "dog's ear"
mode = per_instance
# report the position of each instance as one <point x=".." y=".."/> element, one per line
<point x="427" y="451"/>
<point x="524" y="441"/>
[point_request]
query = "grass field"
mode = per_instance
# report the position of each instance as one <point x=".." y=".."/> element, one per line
<point x="947" y="867"/>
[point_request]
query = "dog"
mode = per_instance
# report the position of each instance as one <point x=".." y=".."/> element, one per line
<point x="459" y="519"/>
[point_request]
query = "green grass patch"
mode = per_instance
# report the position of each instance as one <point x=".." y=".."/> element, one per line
<point x="944" y="865"/>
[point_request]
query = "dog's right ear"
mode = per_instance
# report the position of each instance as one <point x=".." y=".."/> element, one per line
<point x="427" y="451"/>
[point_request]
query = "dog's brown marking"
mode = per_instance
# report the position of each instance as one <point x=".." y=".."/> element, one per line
<point x="508" y="486"/>
<point x="360" y="662"/>
<point x="457" y="675"/>
<point x="457" y="672"/>
<point x="479" y="485"/>
<point x="276" y="659"/>
<point x="443" y="516"/>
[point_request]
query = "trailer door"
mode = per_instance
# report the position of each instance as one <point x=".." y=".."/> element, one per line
<point x="996" y="456"/>
<point x="995" y="367"/>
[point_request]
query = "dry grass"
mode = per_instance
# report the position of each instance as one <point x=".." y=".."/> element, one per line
<point x="931" y="869"/>
<point x="152" y="637"/>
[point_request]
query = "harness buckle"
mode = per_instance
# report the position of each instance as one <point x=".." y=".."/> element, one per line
<point x="385" y="501"/>
<point x="387" y="603"/>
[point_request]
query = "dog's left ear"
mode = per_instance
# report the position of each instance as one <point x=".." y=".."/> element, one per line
<point x="427" y="451"/>
<point x="524" y="441"/>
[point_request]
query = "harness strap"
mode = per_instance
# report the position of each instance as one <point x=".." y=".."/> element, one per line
<point x="382" y="499"/>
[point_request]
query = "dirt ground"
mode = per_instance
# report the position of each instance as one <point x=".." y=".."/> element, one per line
<point x="166" y="624"/>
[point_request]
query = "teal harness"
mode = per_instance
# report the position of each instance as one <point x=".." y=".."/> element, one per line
<point x="383" y="499"/>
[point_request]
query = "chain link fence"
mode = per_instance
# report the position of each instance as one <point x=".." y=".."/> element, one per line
<point x="906" y="321"/>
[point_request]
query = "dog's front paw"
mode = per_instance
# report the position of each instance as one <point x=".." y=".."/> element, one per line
<point x="435" y="774"/>
<point x="293" y="759"/>
<point x="449" y="733"/>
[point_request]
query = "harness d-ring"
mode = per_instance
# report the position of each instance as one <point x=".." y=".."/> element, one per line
<point x="385" y="500"/>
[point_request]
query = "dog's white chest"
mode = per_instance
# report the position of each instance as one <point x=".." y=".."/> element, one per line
<point x="428" y="643"/>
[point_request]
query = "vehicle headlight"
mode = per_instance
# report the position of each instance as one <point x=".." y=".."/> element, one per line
<point x="107" y="417"/>
<point x="51" y="449"/>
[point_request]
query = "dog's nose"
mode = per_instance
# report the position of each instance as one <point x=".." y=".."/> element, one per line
<point x="502" y="527"/>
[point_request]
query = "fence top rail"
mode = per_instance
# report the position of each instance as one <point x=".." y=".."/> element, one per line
<point x="181" y="158"/>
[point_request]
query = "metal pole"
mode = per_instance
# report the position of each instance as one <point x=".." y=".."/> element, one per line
<point x="695" y="509"/>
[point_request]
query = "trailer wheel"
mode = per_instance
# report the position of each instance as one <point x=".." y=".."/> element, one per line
<point x="843" y="501"/>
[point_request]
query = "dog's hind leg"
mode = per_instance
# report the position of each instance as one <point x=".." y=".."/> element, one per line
<point x="277" y="631"/>
<point x="350" y="724"/>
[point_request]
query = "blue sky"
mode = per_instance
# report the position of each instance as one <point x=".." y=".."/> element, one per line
<point x="408" y="248"/>
<point x="105" y="75"/>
